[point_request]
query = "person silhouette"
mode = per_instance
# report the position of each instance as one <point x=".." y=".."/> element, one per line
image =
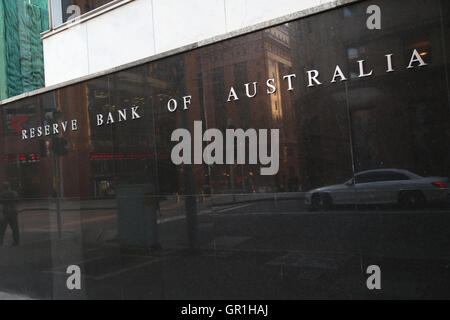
<point x="9" y="215"/>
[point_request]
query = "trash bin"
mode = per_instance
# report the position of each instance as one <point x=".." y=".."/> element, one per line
<point x="137" y="215"/>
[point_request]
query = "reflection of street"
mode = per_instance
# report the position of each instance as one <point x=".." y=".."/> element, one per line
<point x="298" y="253"/>
<point x="382" y="186"/>
<point x="97" y="218"/>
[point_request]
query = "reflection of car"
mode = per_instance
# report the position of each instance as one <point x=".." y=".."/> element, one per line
<point x="384" y="186"/>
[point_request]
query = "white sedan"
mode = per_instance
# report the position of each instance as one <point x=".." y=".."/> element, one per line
<point x="383" y="186"/>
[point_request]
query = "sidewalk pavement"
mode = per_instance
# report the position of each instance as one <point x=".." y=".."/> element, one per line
<point x="69" y="204"/>
<point x="10" y="296"/>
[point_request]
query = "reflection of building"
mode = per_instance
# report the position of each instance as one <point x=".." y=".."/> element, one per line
<point x="29" y="164"/>
<point x="326" y="132"/>
<point x="130" y="153"/>
<point x="352" y="124"/>
<point x="215" y="70"/>
<point x="20" y="162"/>
<point x="104" y="157"/>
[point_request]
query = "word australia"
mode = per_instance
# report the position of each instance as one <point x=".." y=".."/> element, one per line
<point x="315" y="78"/>
<point x="234" y="144"/>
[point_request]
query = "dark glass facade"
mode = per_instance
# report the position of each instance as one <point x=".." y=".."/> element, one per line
<point x="140" y="226"/>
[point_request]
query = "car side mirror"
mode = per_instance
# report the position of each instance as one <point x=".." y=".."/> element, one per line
<point x="350" y="183"/>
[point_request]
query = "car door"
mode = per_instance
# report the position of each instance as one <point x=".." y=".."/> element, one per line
<point x="364" y="187"/>
<point x="380" y="187"/>
<point x="394" y="183"/>
<point x="346" y="194"/>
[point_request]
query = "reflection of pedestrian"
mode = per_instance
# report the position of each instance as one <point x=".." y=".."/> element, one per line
<point x="8" y="199"/>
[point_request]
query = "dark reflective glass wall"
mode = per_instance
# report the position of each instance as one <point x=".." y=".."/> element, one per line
<point x="362" y="180"/>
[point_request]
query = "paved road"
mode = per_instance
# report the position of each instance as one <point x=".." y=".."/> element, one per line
<point x="259" y="250"/>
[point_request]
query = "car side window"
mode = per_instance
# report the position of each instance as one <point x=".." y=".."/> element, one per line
<point x="362" y="178"/>
<point x="366" y="178"/>
<point x="395" y="176"/>
<point x="380" y="177"/>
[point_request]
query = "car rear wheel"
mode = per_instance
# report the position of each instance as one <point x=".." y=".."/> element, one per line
<point x="412" y="199"/>
<point x="321" y="202"/>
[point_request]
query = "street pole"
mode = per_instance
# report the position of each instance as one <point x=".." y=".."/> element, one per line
<point x="56" y="190"/>
<point x="58" y="203"/>
<point x="232" y="182"/>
